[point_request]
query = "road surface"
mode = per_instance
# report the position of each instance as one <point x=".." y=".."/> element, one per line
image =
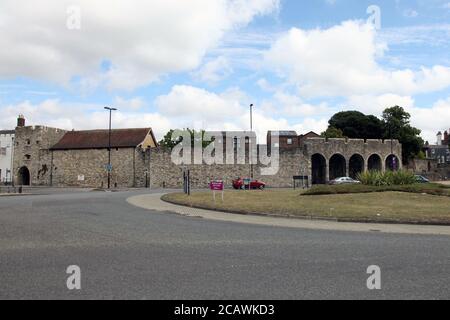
<point x="125" y="252"/>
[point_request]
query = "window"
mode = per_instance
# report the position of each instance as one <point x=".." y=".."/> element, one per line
<point x="27" y="157"/>
<point x="289" y="141"/>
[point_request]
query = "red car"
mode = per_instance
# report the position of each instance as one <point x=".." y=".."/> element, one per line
<point x="241" y="183"/>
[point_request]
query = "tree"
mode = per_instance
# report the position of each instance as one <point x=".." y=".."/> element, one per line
<point x="356" y="125"/>
<point x="170" y="143"/>
<point x="333" y="132"/>
<point x="396" y="122"/>
<point x="167" y="141"/>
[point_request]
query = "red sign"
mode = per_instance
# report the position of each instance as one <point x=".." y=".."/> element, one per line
<point x="216" y="185"/>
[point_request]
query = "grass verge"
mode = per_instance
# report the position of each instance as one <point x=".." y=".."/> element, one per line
<point x="382" y="207"/>
<point x="428" y="188"/>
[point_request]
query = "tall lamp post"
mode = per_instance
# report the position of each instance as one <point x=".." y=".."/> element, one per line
<point x="109" y="145"/>
<point x="393" y="164"/>
<point x="250" y="141"/>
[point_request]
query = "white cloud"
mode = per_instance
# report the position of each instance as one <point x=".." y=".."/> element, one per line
<point x="214" y="70"/>
<point x="342" y="61"/>
<point x="54" y="113"/>
<point x="142" y="40"/>
<point x="195" y="104"/>
<point x="129" y="104"/>
<point x="431" y="120"/>
<point x="375" y="105"/>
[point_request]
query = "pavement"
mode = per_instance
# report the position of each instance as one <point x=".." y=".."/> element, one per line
<point x="128" y="252"/>
<point x="154" y="202"/>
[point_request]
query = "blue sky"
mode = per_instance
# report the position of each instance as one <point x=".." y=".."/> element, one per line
<point x="169" y="64"/>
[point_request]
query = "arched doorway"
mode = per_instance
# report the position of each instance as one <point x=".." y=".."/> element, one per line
<point x="24" y="176"/>
<point x="337" y="166"/>
<point x="356" y="165"/>
<point x="392" y="163"/>
<point x="319" y="169"/>
<point x="374" y="163"/>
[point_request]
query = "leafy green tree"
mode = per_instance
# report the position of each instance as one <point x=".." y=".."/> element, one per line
<point x="333" y="132"/>
<point x="396" y="122"/>
<point x="169" y="142"/>
<point x="356" y="125"/>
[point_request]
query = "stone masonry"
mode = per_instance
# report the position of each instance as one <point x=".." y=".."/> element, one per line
<point x="298" y="162"/>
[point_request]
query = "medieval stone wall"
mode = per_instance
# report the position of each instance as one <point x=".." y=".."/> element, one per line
<point x="31" y="149"/>
<point x="88" y="168"/>
<point x="298" y="162"/>
<point x="154" y="167"/>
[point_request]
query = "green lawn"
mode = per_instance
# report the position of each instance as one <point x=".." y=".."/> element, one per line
<point x="428" y="188"/>
<point x="398" y="207"/>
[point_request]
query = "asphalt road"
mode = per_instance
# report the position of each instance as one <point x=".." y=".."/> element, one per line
<point x="125" y="252"/>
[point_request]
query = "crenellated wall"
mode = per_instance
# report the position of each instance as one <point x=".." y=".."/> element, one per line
<point x="292" y="163"/>
<point x="31" y="148"/>
<point x="319" y="159"/>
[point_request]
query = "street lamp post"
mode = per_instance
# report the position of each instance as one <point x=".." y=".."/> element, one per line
<point x="109" y="145"/>
<point x="250" y="141"/>
<point x="393" y="164"/>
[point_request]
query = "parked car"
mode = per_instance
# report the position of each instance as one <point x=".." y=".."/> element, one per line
<point x="240" y="183"/>
<point x="421" y="179"/>
<point x="344" y="180"/>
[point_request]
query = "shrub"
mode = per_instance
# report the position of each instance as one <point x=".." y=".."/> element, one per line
<point x="428" y="188"/>
<point x="388" y="178"/>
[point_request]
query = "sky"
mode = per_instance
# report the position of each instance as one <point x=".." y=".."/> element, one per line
<point x="199" y="64"/>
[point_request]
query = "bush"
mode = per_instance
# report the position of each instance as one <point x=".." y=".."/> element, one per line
<point x="428" y="188"/>
<point x="388" y="178"/>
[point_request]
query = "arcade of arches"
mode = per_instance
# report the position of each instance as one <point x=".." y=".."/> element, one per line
<point x="337" y="166"/>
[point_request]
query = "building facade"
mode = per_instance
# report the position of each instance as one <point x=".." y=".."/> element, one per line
<point x="54" y="157"/>
<point x="441" y="150"/>
<point x="47" y="156"/>
<point x="6" y="155"/>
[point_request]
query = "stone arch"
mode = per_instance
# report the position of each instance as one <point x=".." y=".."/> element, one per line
<point x="355" y="165"/>
<point x="392" y="163"/>
<point x="23" y="176"/>
<point x="319" y="169"/>
<point x="374" y="163"/>
<point x="338" y="166"/>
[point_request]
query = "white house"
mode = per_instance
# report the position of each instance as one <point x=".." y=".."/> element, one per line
<point x="6" y="155"/>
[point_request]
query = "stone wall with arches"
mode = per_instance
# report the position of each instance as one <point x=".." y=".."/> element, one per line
<point x="333" y="158"/>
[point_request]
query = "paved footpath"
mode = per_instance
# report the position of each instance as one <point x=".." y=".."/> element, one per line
<point x="154" y="202"/>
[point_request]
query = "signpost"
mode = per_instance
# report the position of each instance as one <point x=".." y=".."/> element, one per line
<point x="302" y="179"/>
<point x="247" y="183"/>
<point x="217" y="186"/>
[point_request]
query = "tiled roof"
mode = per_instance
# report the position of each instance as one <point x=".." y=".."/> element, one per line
<point x="99" y="139"/>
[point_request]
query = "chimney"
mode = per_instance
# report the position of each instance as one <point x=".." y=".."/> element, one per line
<point x="21" y="121"/>
<point x="439" y="138"/>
